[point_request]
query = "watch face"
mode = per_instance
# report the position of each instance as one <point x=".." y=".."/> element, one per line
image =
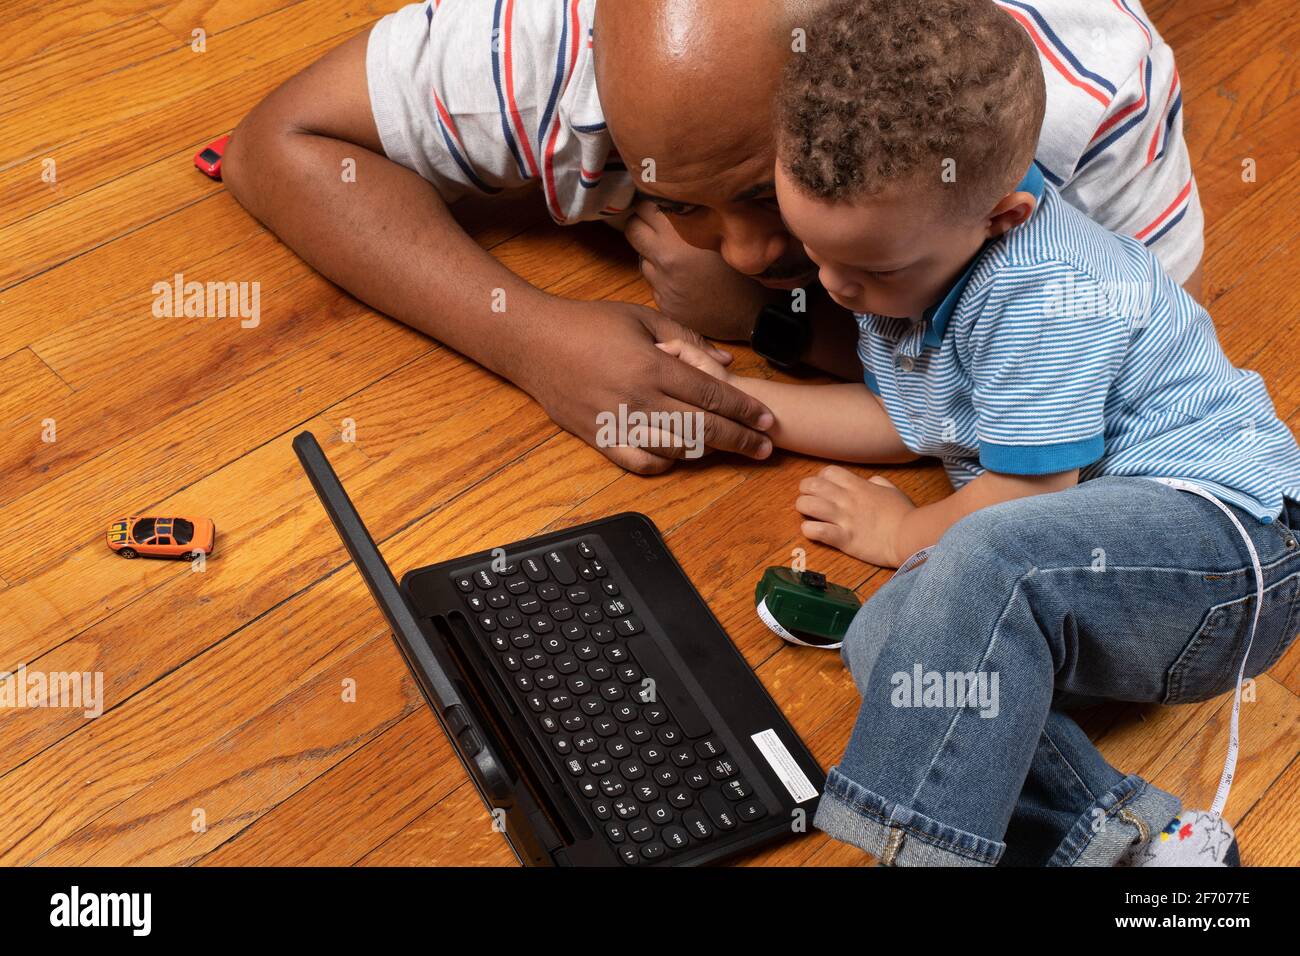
<point x="780" y="336"/>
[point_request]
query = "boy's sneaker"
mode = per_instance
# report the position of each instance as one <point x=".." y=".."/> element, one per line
<point x="1194" y="838"/>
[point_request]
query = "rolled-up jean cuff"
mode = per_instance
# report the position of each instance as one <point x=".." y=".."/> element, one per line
<point x="893" y="834"/>
<point x="1132" y="811"/>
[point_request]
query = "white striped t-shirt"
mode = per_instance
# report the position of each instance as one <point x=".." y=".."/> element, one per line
<point x="480" y="96"/>
<point x="1063" y="346"/>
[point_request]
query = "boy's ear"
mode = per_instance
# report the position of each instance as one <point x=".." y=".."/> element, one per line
<point x="1011" y="210"/>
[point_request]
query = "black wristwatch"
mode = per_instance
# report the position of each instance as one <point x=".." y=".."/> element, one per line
<point x="780" y="335"/>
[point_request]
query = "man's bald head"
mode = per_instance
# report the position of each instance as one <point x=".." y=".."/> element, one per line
<point x="690" y="85"/>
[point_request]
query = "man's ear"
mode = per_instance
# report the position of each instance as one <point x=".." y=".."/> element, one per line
<point x="1011" y="210"/>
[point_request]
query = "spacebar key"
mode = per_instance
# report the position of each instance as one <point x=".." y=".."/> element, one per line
<point x="655" y="666"/>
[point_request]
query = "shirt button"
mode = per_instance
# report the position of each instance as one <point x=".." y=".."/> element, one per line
<point x="906" y="363"/>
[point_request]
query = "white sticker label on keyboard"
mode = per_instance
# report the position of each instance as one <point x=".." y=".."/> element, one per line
<point x="795" y="780"/>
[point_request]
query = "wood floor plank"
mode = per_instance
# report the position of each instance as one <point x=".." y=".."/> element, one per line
<point x="114" y="98"/>
<point x="1270" y="834"/>
<point x="29" y="383"/>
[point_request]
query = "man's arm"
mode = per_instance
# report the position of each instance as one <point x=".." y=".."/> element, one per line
<point x="388" y="238"/>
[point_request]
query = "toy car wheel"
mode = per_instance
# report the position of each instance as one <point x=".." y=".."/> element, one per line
<point x="127" y="552"/>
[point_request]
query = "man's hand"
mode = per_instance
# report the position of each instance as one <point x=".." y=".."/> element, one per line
<point x="860" y="516"/>
<point x="592" y="357"/>
<point x="693" y="286"/>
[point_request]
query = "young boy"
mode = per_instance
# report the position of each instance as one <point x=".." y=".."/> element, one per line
<point x="1058" y="373"/>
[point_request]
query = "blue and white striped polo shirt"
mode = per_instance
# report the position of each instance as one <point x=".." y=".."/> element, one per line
<point x="1063" y="346"/>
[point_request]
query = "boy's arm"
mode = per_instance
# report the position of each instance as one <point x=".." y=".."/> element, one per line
<point x="922" y="527"/>
<point x="875" y="521"/>
<point x="844" y="421"/>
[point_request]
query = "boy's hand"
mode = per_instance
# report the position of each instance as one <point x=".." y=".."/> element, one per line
<point x="697" y="357"/>
<point x="860" y="516"/>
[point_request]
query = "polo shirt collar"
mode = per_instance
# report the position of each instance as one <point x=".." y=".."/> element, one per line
<point x="936" y="317"/>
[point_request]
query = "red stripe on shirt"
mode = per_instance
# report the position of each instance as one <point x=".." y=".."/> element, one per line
<point x="1178" y="200"/>
<point x="1164" y="119"/>
<point x="510" y="92"/>
<point x="1131" y="108"/>
<point x="549" y="177"/>
<point x="1060" y="67"/>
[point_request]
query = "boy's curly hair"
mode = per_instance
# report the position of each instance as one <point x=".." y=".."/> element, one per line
<point x="887" y="90"/>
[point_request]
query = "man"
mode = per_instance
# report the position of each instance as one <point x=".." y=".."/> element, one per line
<point x="451" y="97"/>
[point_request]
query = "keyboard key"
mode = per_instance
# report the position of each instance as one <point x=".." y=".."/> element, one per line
<point x="573" y="631"/>
<point x="665" y="776"/>
<point x="518" y="585"/>
<point x="619" y="748"/>
<point x="611" y="691"/>
<point x="629" y="673"/>
<point x="629" y="854"/>
<point x="523" y="639"/>
<point x="599" y="764"/>
<point x="675" y="838"/>
<point x="598" y="568"/>
<point x="602" y="634"/>
<point x="682" y="757"/>
<point x="654" y="713"/>
<point x="631" y="770"/>
<point x="464" y="583"/>
<point x="573" y="722"/>
<point x="709" y="747"/>
<point x="696" y="779"/>
<point x="574" y="766"/>
<point x="498" y="599"/>
<point x="500" y="642"/>
<point x="612" y="786"/>
<point x="617" y="607"/>
<point x="645" y="792"/>
<point x="610" y="588"/>
<point x="578" y="684"/>
<point x="640" y="831"/>
<point x="604" y="726"/>
<point x="626" y="808"/>
<point x="669" y="736"/>
<point x="653" y="850"/>
<point x="592" y="706"/>
<point x="599" y="670"/>
<point x="561" y="612"/>
<point x="547" y="679"/>
<point x="638" y="733"/>
<point x="659" y="813"/>
<point x="553" y="644"/>
<point x="616" y="833"/>
<point x="487" y="621"/>
<point x="697" y="824"/>
<point x="511" y="661"/>
<point x="680" y="798"/>
<point x="750" y="810"/>
<point x="578" y="595"/>
<point x="549" y="592"/>
<point x="585" y="651"/>
<point x="549" y="724"/>
<point x="540" y="624"/>
<point x="510" y="619"/>
<point x="722" y="768"/>
<point x="585" y="743"/>
<point x="601" y="808"/>
<point x="485" y="579"/>
<point x="563" y="746"/>
<point x="585" y="550"/>
<point x="476" y="603"/>
<point x="737" y="788"/>
<point x="566" y="664"/>
<point x="529" y="605"/>
<point x="535" y="660"/>
<point x="560" y="567"/>
<point x="590" y="614"/>
<point x="627" y="626"/>
<point x="534" y="569"/>
<point x="560" y="701"/>
<point x="616" y="653"/>
<point x="588" y="787"/>
<point x="719" y="812"/>
<point x="536" y="702"/>
<point x="654" y="755"/>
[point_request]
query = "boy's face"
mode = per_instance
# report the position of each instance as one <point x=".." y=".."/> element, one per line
<point x="894" y="254"/>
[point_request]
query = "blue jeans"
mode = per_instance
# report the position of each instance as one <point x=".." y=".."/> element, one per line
<point x="1119" y="589"/>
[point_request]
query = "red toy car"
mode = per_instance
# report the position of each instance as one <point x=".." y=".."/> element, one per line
<point x="176" y="537"/>
<point x="208" y="159"/>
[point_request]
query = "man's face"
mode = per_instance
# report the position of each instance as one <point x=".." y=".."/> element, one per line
<point x="893" y="254"/>
<point x="724" y="199"/>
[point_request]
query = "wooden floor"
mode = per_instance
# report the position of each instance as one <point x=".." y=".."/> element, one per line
<point x="223" y="689"/>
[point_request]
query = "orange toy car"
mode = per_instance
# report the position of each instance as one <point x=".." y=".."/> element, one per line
<point x="177" y="537"/>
